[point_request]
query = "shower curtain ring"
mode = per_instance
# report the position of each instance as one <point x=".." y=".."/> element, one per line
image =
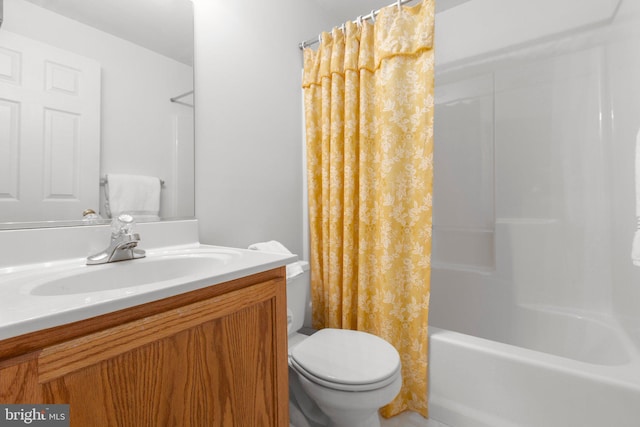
<point x="359" y="21"/>
<point x="373" y="16"/>
<point x="399" y="4"/>
<point x="320" y="38"/>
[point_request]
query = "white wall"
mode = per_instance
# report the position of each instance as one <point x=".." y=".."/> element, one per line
<point x="539" y="206"/>
<point x="138" y="120"/>
<point x="248" y="119"/>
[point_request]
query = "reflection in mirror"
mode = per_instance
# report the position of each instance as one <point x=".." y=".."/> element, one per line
<point x="86" y="91"/>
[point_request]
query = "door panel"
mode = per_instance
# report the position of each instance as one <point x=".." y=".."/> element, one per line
<point x="49" y="131"/>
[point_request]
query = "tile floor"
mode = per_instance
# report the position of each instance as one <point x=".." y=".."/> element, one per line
<point x="410" y="419"/>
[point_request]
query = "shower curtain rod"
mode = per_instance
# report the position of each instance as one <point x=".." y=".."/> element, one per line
<point x="371" y="16"/>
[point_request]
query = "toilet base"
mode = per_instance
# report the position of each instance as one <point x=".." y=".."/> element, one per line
<point x="351" y="409"/>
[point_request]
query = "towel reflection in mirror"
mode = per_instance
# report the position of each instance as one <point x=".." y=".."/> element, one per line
<point x="137" y="195"/>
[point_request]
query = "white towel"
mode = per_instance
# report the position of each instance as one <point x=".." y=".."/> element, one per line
<point x="136" y="195"/>
<point x="293" y="269"/>
<point x="635" y="248"/>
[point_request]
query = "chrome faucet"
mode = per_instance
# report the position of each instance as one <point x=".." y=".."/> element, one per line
<point x="123" y="243"/>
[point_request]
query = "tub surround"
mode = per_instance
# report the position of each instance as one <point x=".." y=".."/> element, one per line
<point x="532" y="283"/>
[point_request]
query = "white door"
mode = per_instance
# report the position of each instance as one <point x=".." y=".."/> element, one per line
<point x="49" y="131"/>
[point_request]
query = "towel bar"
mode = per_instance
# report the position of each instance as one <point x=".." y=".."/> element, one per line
<point x="103" y="181"/>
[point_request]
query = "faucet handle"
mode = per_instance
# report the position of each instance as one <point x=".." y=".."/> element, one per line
<point x="122" y="225"/>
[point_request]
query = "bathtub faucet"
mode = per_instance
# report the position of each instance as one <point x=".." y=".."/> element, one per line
<point x="123" y="243"/>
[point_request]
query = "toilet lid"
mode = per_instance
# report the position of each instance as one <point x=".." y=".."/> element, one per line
<point x="347" y="357"/>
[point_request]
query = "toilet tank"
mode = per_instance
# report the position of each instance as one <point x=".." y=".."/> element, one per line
<point x="298" y="289"/>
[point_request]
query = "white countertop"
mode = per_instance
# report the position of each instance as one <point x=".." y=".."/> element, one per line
<point x="35" y="296"/>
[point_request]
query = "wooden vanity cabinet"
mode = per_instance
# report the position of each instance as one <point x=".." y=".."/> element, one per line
<point x="211" y="357"/>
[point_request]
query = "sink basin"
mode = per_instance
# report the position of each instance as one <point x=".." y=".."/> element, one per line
<point x="153" y="270"/>
<point x="49" y="294"/>
<point x="45" y="295"/>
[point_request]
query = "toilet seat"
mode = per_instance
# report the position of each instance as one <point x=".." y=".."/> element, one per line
<point x="341" y="386"/>
<point x="346" y="360"/>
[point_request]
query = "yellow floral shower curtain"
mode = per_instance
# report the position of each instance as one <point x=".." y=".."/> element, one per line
<point x="368" y="94"/>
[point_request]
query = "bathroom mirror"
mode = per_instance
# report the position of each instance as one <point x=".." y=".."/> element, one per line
<point x="90" y="88"/>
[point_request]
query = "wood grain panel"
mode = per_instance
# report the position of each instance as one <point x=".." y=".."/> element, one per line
<point x="18" y="380"/>
<point x="64" y="358"/>
<point x="281" y="354"/>
<point x="27" y="343"/>
<point x="213" y="357"/>
<point x="214" y="374"/>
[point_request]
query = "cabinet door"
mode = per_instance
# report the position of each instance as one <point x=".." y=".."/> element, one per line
<point x="19" y="380"/>
<point x="211" y="363"/>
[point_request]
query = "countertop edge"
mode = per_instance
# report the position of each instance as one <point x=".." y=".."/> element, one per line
<point x="275" y="260"/>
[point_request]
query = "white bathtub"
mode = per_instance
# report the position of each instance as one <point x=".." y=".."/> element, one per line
<point x="542" y="368"/>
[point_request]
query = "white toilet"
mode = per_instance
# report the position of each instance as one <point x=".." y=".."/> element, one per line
<point x="349" y="375"/>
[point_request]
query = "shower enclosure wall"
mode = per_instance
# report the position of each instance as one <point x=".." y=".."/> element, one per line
<point x="534" y="293"/>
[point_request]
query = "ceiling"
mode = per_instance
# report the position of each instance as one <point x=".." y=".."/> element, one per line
<point x="164" y="26"/>
<point x="348" y="10"/>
